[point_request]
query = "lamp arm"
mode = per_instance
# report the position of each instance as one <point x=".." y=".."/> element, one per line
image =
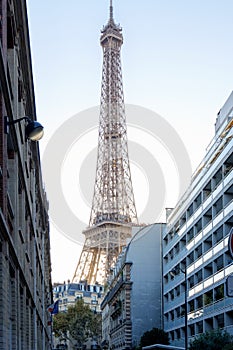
<point x="18" y="120"/>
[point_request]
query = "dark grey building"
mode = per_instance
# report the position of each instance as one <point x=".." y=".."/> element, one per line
<point x="133" y="304"/>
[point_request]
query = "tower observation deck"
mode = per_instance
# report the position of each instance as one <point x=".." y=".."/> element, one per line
<point x="113" y="208"/>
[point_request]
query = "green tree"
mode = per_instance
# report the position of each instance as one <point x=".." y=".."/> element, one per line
<point x="213" y="340"/>
<point x="78" y="324"/>
<point x="61" y="326"/>
<point x="154" y="336"/>
<point x="228" y="347"/>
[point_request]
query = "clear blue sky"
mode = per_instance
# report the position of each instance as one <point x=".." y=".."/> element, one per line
<point x="176" y="58"/>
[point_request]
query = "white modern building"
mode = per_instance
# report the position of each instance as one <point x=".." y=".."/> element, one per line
<point x="133" y="304"/>
<point x="196" y="241"/>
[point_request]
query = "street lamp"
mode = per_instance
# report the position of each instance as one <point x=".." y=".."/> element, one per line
<point x="173" y="273"/>
<point x="34" y="131"/>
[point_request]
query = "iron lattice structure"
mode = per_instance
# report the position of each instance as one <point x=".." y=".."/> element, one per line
<point x="113" y="208"/>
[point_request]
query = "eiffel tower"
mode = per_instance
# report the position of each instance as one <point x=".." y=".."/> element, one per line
<point x="113" y="208"/>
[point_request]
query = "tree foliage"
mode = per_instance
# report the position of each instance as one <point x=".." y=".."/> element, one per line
<point x="213" y="340"/>
<point x="154" y="336"/>
<point x="79" y="323"/>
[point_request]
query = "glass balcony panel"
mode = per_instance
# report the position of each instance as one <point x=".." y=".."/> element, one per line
<point x="228" y="209"/>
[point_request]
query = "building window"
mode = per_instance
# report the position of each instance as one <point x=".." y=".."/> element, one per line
<point x="198" y="251"/>
<point x="207" y="191"/>
<point x="208" y="297"/>
<point x="178" y="333"/>
<point x="218" y="263"/>
<point x="220" y="320"/>
<point x="198" y="226"/>
<point x="207" y="244"/>
<point x="227" y="166"/>
<point x="192" y="329"/>
<point x="197" y="202"/>
<point x="190" y="235"/>
<point x="79" y="296"/>
<point x="10" y="30"/>
<point x="199" y="302"/>
<point x="191" y="281"/>
<point x="217" y="178"/>
<point x="208" y="270"/>
<point x="191" y="305"/>
<point x="177" y="290"/>
<point x="209" y="324"/>
<point x="182" y="220"/>
<point x="218" y="235"/>
<point x="190" y="258"/>
<point x="218" y="206"/>
<point x="165" y="278"/>
<point x="207" y="217"/>
<point x="198" y="276"/>
<point x="172" y="315"/>
<point x="219" y="292"/>
<point x="190" y="211"/>
<point x="176" y="249"/>
<point x="178" y="312"/>
<point x="200" y="327"/>
<point x="182" y="243"/>
<point x="228" y="196"/>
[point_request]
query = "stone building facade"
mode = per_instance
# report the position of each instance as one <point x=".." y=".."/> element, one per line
<point x="25" y="266"/>
<point x="69" y="293"/>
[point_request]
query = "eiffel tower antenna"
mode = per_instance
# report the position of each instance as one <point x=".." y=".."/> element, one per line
<point x="113" y="209"/>
<point x="111" y="10"/>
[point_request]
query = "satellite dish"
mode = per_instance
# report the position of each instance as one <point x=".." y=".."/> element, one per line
<point x="230" y="243"/>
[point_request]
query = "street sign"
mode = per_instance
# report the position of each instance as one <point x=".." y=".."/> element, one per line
<point x="230" y="243"/>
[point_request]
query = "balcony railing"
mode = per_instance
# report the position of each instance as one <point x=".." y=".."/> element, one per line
<point x="206" y="311"/>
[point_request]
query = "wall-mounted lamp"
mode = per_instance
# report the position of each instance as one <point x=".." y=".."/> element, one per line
<point x="34" y="131"/>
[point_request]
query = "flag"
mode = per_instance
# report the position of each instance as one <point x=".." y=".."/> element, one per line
<point x="53" y="308"/>
<point x="50" y="308"/>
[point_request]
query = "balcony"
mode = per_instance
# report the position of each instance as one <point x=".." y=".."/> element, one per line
<point x="171" y="305"/>
<point x="213" y="309"/>
<point x="116" y="309"/>
<point x="176" y="323"/>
